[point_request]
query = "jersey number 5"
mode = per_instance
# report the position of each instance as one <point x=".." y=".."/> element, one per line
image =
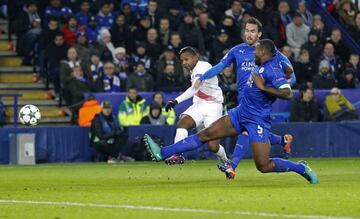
<point x="259" y="130"/>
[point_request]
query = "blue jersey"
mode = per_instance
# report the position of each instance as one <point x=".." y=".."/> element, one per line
<point x="256" y="106"/>
<point x="105" y="21"/>
<point x="59" y="13"/>
<point x="244" y="56"/>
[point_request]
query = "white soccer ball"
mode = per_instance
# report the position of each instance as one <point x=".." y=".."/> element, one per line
<point x="29" y="115"/>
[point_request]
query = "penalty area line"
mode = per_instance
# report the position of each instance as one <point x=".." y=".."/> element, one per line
<point x="166" y="209"/>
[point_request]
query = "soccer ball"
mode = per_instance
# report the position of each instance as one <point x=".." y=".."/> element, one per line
<point x="29" y="115"/>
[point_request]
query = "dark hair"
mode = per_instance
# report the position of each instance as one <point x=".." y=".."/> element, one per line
<point x="131" y="88"/>
<point x="255" y="21"/>
<point x="268" y="45"/>
<point x="190" y="50"/>
<point x="232" y="2"/>
<point x="57" y="34"/>
<point x="156" y="93"/>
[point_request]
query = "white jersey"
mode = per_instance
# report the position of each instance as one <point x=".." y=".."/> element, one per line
<point x="209" y="91"/>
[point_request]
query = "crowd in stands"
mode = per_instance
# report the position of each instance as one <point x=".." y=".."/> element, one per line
<point x="132" y="46"/>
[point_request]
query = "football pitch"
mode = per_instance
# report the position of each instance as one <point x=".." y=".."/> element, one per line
<point x="194" y="190"/>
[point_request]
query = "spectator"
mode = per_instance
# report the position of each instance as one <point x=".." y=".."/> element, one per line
<point x="96" y="66"/>
<point x="122" y="65"/>
<point x="207" y="29"/>
<point x="88" y="110"/>
<point x="319" y="28"/>
<point x="174" y="15"/>
<point x="199" y="8"/>
<point x="313" y="46"/>
<point x="54" y="53"/>
<point x="105" y="47"/>
<point x="346" y="11"/>
<point x="284" y="10"/>
<point x="190" y="34"/>
<point x="228" y="84"/>
<point x="153" y="12"/>
<point x="82" y="47"/>
<point x="287" y="51"/>
<point x="324" y="79"/>
<point x="92" y="30"/>
<point x="355" y="30"/>
<point x="340" y="48"/>
<point x="261" y="11"/>
<point x="170" y="115"/>
<point x="297" y="33"/>
<point x="47" y="35"/>
<point x="176" y="42"/>
<point x="164" y="31"/>
<point x="274" y="30"/>
<point x="83" y="15"/>
<point x="73" y="60"/>
<point x="105" y="18"/>
<point x="130" y="17"/>
<point x="142" y="56"/>
<point x="347" y="79"/>
<point x="304" y="108"/>
<point x="76" y="86"/>
<point x="220" y="44"/>
<point x="167" y="80"/>
<point x="154" y="116"/>
<point x="236" y="11"/>
<point x="107" y="136"/>
<point x="132" y="109"/>
<point x="140" y="79"/>
<point x="138" y="7"/>
<point x="141" y="30"/>
<point x="28" y="28"/>
<point x="229" y="26"/>
<point x="153" y="47"/>
<point x="336" y="65"/>
<point x="354" y="64"/>
<point x="109" y="82"/>
<point x="338" y="108"/>
<point x="121" y="33"/>
<point x="55" y="10"/>
<point x="304" y="69"/>
<point x="70" y="29"/>
<point x="305" y="13"/>
<point x="169" y="58"/>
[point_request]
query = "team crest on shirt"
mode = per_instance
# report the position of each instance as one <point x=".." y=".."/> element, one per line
<point x="261" y="70"/>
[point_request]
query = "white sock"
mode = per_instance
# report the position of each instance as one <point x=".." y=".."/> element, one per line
<point x="180" y="134"/>
<point x="221" y="154"/>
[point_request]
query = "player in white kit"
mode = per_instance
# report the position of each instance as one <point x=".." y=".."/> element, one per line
<point x="207" y="104"/>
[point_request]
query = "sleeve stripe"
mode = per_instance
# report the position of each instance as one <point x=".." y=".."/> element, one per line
<point x="285" y="86"/>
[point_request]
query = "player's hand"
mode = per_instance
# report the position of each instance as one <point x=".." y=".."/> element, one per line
<point x="170" y="105"/>
<point x="258" y="80"/>
<point x="197" y="84"/>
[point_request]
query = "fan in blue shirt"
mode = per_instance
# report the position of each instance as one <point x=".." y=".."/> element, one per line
<point x="266" y="83"/>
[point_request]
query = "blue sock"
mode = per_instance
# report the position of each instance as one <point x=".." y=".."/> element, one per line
<point x="276" y="139"/>
<point x="190" y="143"/>
<point x="241" y="147"/>
<point x="282" y="165"/>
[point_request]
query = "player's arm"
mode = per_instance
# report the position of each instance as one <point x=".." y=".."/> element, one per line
<point x="287" y="68"/>
<point x="216" y="69"/>
<point x="284" y="91"/>
<point x="184" y="96"/>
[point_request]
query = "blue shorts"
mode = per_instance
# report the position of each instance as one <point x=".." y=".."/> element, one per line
<point x="257" y="132"/>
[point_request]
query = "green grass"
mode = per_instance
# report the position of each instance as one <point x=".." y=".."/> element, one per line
<point x="195" y="185"/>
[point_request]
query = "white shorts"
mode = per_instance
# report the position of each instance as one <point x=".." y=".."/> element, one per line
<point x="204" y="113"/>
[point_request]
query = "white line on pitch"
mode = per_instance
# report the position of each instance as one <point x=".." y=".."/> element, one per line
<point x="158" y="208"/>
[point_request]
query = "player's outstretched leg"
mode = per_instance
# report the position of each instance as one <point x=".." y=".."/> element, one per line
<point x="285" y="141"/>
<point x="241" y="147"/>
<point x="219" y="129"/>
<point x="264" y="164"/>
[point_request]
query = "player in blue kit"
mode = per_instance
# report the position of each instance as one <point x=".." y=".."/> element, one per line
<point x="266" y="83"/>
<point x="243" y="55"/>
